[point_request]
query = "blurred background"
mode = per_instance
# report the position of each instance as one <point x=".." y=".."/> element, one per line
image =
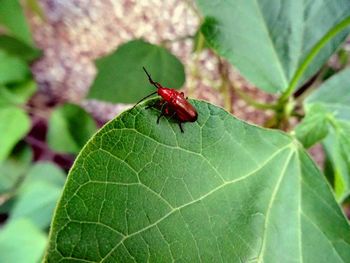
<point x="58" y="59"/>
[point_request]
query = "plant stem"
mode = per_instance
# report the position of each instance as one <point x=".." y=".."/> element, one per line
<point x="225" y="87"/>
<point x="195" y="72"/>
<point x="178" y="39"/>
<point x="252" y="102"/>
<point x="313" y="53"/>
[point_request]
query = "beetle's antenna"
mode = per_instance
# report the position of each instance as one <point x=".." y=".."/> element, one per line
<point x="156" y="84"/>
<point x="144" y="98"/>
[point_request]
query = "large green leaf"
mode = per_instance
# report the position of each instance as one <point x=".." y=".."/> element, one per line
<point x="333" y="97"/>
<point x="12" y="17"/>
<point x="14" y="124"/>
<point x="222" y="191"/>
<point x="12" y="69"/>
<point x="42" y="180"/>
<point x="70" y="126"/>
<point x="120" y="76"/>
<point x="21" y="241"/>
<point x="267" y="40"/>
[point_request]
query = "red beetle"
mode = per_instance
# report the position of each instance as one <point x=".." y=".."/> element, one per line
<point x="173" y="103"/>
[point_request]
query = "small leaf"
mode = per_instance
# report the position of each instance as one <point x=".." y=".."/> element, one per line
<point x="70" y="127"/>
<point x="222" y="191"/>
<point x="120" y="76"/>
<point x="18" y="94"/>
<point x="38" y="194"/>
<point x="15" y="47"/>
<point x="334" y="98"/>
<point x="337" y="147"/>
<point x="12" y="69"/>
<point x="21" y="241"/>
<point x="14" y="125"/>
<point x="269" y="40"/>
<point x="199" y="42"/>
<point x="12" y="17"/>
<point x="314" y="127"/>
<point x="14" y="167"/>
<point x="334" y="95"/>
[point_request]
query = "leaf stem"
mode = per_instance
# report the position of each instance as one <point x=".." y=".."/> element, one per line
<point x="252" y="102"/>
<point x="195" y="72"/>
<point x="225" y="87"/>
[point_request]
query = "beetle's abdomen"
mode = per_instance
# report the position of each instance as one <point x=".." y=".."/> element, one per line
<point x="184" y="110"/>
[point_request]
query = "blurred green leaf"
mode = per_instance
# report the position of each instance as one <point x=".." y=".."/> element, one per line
<point x="12" y="17"/>
<point x="199" y="42"/>
<point x="12" y="69"/>
<point x="14" y="167"/>
<point x="44" y="172"/>
<point x="21" y="241"/>
<point x="70" y="127"/>
<point x="6" y="204"/>
<point x="38" y="194"/>
<point x="334" y="95"/>
<point x="17" y="94"/>
<point x="337" y="148"/>
<point x="222" y="191"/>
<point x="269" y="40"/>
<point x="14" y="125"/>
<point x="314" y="127"/>
<point x="18" y="48"/>
<point x="334" y="98"/>
<point x="120" y="76"/>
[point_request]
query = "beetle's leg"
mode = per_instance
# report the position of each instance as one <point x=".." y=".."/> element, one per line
<point x="161" y="111"/>
<point x="153" y="105"/>
<point x="160" y="116"/>
<point x="180" y="125"/>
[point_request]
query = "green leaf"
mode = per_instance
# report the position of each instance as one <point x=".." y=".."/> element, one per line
<point x="334" y="95"/>
<point x="120" y="76"/>
<point x="269" y="40"/>
<point x="199" y="42"/>
<point x="222" y="191"/>
<point x="21" y="241"/>
<point x="337" y="148"/>
<point x="38" y="194"/>
<point x="18" y="94"/>
<point x="70" y="127"/>
<point x="12" y="17"/>
<point x="14" y="125"/>
<point x="314" y="127"/>
<point x="334" y="98"/>
<point x="12" y="69"/>
<point x="14" y="167"/>
<point x="18" y="48"/>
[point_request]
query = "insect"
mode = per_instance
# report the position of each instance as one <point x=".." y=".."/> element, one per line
<point x="173" y="103"/>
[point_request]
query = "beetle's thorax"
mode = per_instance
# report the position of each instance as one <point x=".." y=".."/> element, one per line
<point x="165" y="93"/>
